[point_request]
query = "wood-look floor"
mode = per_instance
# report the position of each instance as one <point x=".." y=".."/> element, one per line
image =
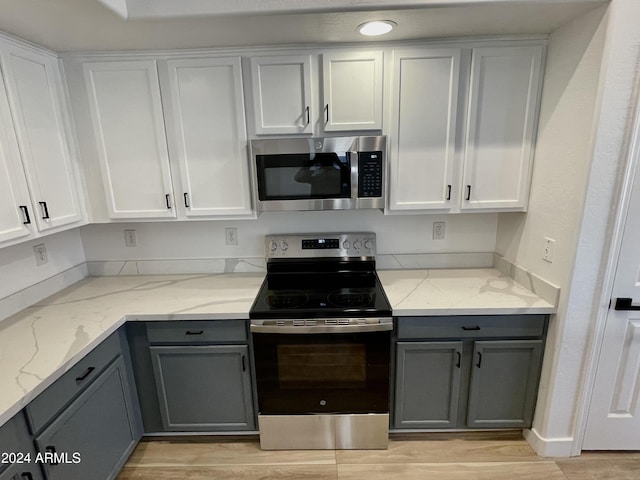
<point x="442" y="456"/>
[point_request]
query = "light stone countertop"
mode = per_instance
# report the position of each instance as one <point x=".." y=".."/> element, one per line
<point x="45" y="340"/>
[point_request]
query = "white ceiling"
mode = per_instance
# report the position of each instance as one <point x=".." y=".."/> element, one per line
<point x="88" y="25"/>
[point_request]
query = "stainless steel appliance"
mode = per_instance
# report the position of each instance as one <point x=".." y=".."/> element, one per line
<point x="321" y="329"/>
<point x="331" y="173"/>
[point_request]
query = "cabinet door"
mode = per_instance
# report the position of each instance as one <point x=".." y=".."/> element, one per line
<point x="282" y="99"/>
<point x="427" y="384"/>
<point x="15" y="439"/>
<point x="22" y="472"/>
<point x="15" y="205"/>
<point x="210" y="135"/>
<point x="423" y="128"/>
<point x="504" y="383"/>
<point x="205" y="388"/>
<point x="352" y="84"/>
<point x="97" y="432"/>
<point x="34" y="89"/>
<point x="128" y="123"/>
<point x="503" y="108"/>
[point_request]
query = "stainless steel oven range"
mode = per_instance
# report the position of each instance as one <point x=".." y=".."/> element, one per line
<point x="321" y="328"/>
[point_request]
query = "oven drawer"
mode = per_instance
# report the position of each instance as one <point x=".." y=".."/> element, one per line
<point x="197" y="331"/>
<point x="476" y="326"/>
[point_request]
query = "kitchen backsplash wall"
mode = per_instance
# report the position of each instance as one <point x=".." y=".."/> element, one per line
<point x="200" y="246"/>
<point x="22" y="282"/>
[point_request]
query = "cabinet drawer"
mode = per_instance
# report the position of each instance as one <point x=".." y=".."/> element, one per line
<point x="477" y="326"/>
<point x="14" y="438"/>
<point x="67" y="387"/>
<point x="197" y="331"/>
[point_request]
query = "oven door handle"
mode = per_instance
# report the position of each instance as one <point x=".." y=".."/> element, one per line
<point x="307" y="329"/>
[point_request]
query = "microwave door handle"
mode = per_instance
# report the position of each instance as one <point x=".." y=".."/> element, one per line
<point x="353" y="161"/>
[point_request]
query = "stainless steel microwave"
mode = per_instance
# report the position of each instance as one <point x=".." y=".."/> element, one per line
<point x="329" y="173"/>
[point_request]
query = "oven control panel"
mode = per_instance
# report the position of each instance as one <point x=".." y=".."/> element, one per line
<point x="360" y="244"/>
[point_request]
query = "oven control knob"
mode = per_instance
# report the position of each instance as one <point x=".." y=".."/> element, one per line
<point x="323" y="402"/>
<point x="368" y="244"/>
<point x="357" y="244"/>
<point x="273" y="246"/>
<point x="284" y="246"/>
<point x="346" y="244"/>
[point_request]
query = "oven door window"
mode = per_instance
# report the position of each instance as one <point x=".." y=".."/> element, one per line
<point x="327" y="373"/>
<point x="303" y="176"/>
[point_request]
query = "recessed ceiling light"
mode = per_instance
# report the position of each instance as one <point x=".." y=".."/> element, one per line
<point x="378" y="27"/>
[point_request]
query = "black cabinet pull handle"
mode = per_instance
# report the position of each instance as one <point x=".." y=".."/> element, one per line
<point x="459" y="359"/>
<point x="86" y="373"/>
<point x="326" y="108"/>
<point x="25" y="212"/>
<point x="195" y="332"/>
<point x="468" y="192"/>
<point x="186" y="200"/>
<point x="625" y="304"/>
<point x="27" y="475"/>
<point x="308" y="118"/>
<point x="167" y="199"/>
<point x="45" y="210"/>
<point x="51" y="449"/>
<point x="467" y="329"/>
<point x="479" y="360"/>
<point x="448" y="192"/>
<point x="244" y="363"/>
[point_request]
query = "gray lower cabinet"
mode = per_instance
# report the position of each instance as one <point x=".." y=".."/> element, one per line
<point x="504" y="383"/>
<point x="427" y="384"/>
<point x="203" y="387"/>
<point x="96" y="433"/>
<point x="477" y="380"/>
<point x="18" y="456"/>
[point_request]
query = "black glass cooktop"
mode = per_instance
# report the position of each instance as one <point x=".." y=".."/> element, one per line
<point x="320" y="289"/>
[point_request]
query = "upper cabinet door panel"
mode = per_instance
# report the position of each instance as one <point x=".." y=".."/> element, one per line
<point x="14" y="195"/>
<point x="423" y="128"/>
<point x="352" y="84"/>
<point x="282" y="100"/>
<point x="210" y="135"/>
<point x="128" y="122"/>
<point x="503" y="104"/>
<point x="34" y="90"/>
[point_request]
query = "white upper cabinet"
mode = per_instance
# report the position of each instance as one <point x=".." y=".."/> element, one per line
<point x="34" y="90"/>
<point x="282" y="97"/>
<point x="422" y="134"/>
<point x="207" y="133"/>
<point x="352" y="86"/>
<point x="15" y="204"/>
<point x="124" y="98"/>
<point x="502" y="114"/>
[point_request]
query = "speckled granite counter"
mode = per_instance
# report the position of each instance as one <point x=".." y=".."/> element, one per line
<point x="43" y="341"/>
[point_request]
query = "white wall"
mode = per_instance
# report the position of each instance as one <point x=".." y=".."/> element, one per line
<point x="396" y="234"/>
<point x="23" y="283"/>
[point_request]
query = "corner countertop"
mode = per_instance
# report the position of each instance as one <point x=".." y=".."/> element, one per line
<point x="45" y="340"/>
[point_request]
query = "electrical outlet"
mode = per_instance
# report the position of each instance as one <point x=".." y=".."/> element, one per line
<point x="231" y="236"/>
<point x="40" y="252"/>
<point x="549" y="249"/>
<point x="438" y="230"/>
<point x="130" y="238"/>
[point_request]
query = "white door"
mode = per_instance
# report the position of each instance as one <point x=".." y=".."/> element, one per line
<point x="282" y="100"/>
<point x="614" y="416"/>
<point x="352" y="85"/>
<point x="503" y="105"/>
<point x="209" y="133"/>
<point x="33" y="87"/>
<point x="15" y="205"/>
<point x="129" y="127"/>
<point x="424" y="104"/>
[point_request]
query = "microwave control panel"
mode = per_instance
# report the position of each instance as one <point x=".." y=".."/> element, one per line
<point x="369" y="174"/>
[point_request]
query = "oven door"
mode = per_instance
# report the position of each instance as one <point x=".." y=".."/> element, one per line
<point x="322" y="369"/>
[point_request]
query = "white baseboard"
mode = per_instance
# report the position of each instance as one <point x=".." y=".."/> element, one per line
<point x="549" y="447"/>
